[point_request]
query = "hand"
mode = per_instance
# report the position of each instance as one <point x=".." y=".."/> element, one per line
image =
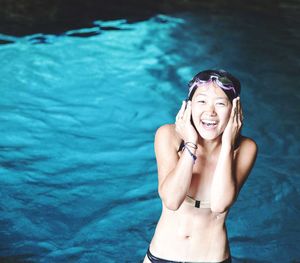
<point x="183" y="123"/>
<point x="234" y="124"/>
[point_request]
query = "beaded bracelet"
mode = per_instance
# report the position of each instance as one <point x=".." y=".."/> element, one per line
<point x="191" y="154"/>
<point x="193" y="145"/>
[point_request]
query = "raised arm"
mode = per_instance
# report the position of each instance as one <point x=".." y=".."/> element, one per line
<point x="174" y="173"/>
<point x="231" y="173"/>
<point x="233" y="168"/>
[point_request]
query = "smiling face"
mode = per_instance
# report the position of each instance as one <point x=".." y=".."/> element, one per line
<point x="211" y="110"/>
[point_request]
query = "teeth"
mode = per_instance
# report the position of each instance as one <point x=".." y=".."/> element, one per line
<point x="209" y="122"/>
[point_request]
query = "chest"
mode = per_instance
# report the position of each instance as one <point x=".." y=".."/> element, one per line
<point x="203" y="171"/>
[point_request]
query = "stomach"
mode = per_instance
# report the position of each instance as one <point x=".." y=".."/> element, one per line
<point x="190" y="234"/>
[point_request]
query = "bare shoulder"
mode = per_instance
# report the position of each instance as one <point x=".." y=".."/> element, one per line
<point x="166" y="140"/>
<point x="166" y="134"/>
<point x="247" y="145"/>
<point x="166" y="129"/>
<point x="245" y="156"/>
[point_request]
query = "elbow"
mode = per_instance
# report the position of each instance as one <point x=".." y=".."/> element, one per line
<point x="171" y="205"/>
<point x="221" y="203"/>
<point x="219" y="208"/>
<point x="168" y="202"/>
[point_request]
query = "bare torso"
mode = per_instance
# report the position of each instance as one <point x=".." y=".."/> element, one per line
<point x="190" y="233"/>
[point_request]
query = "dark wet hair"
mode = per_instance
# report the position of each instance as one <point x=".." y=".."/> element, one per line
<point x="226" y="81"/>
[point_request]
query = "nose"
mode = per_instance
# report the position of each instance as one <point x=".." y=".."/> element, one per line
<point x="210" y="109"/>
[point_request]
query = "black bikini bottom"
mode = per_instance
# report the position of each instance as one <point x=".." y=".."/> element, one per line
<point x="154" y="259"/>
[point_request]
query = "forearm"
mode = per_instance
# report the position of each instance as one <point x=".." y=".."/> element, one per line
<point x="223" y="188"/>
<point x="175" y="186"/>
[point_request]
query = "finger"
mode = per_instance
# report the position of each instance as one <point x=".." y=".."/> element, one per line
<point x="237" y="111"/>
<point x="232" y="114"/>
<point x="187" y="113"/>
<point x="240" y="117"/>
<point x="241" y="113"/>
<point x="181" y="111"/>
<point x="240" y="120"/>
<point x="235" y="115"/>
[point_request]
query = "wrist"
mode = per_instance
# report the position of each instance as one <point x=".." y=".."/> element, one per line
<point x="190" y="152"/>
<point x="191" y="140"/>
<point x="227" y="148"/>
<point x="191" y="144"/>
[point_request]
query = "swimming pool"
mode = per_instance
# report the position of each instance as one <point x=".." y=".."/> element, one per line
<point x="78" y="115"/>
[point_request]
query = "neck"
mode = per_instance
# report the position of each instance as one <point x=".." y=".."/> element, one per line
<point x="209" y="146"/>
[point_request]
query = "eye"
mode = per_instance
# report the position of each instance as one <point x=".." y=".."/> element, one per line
<point x="201" y="101"/>
<point x="222" y="103"/>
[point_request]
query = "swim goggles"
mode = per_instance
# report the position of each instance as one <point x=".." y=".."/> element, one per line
<point x="222" y="81"/>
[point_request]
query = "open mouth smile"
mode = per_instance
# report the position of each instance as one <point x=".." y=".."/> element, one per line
<point x="209" y="124"/>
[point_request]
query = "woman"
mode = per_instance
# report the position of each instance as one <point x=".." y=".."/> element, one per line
<point x="202" y="163"/>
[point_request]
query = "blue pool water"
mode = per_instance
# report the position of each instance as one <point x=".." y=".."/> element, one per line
<point x="78" y="114"/>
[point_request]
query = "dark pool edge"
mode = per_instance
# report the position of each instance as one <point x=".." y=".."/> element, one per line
<point x="26" y="17"/>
